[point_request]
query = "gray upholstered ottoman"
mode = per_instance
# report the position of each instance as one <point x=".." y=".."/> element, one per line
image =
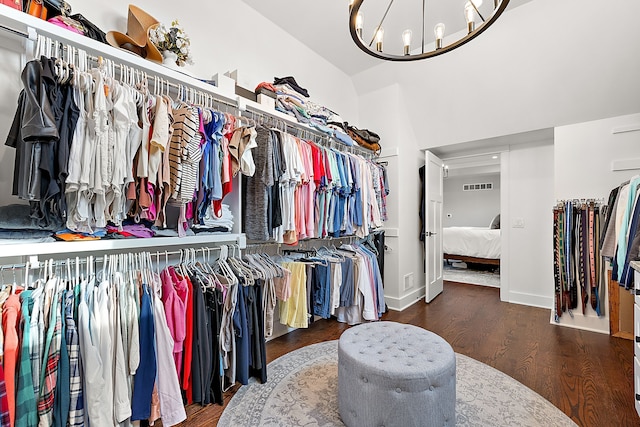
<point x="391" y="374"/>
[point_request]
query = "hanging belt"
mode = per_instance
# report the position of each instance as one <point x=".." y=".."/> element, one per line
<point x="571" y="257"/>
<point x="595" y="285"/>
<point x="566" y="303"/>
<point x="582" y="261"/>
<point x="556" y="267"/>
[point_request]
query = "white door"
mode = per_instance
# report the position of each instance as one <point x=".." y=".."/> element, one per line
<point x="433" y="225"/>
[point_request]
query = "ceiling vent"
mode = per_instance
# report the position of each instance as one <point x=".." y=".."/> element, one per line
<point x="477" y="187"/>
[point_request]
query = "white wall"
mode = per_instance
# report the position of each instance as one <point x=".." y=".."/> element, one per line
<point x="404" y="258"/>
<point x="527" y="180"/>
<point x="584" y="154"/>
<point x="470" y="208"/>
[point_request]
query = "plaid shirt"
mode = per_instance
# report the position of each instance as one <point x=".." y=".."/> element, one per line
<point x="26" y="409"/>
<point x="76" y="405"/>
<point x="50" y="368"/>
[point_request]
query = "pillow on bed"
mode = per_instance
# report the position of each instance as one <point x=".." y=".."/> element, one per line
<point x="495" y="223"/>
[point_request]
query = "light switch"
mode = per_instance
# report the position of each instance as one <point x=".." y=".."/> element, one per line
<point x="518" y="223"/>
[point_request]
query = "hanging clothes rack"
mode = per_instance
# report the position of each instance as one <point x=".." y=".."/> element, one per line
<point x="34" y="30"/>
<point x="304" y="132"/>
<point x="53" y="48"/>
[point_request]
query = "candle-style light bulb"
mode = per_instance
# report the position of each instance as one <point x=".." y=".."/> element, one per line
<point x="406" y="41"/>
<point x="469" y="13"/>
<point x="438" y="30"/>
<point x="359" y="23"/>
<point x="379" y="39"/>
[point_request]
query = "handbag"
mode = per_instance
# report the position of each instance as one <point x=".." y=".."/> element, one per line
<point x="45" y="9"/>
<point x="16" y="4"/>
<point x="364" y="138"/>
<point x="365" y="134"/>
<point x="67" y="23"/>
<point x="90" y="30"/>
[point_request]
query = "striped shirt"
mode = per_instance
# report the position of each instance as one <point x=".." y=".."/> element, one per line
<point x="76" y="405"/>
<point x="185" y="127"/>
<point x="191" y="165"/>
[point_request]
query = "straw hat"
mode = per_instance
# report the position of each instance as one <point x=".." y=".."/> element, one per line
<point x="136" y="40"/>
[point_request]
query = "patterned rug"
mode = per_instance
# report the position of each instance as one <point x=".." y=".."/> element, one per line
<point x="467" y="275"/>
<point x="303" y="391"/>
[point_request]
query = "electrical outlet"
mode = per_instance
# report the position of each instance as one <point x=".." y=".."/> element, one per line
<point x="408" y="281"/>
<point x="518" y="223"/>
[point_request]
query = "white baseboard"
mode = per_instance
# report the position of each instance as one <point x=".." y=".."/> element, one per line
<point x="402" y="303"/>
<point x="586" y="323"/>
<point x="532" y="300"/>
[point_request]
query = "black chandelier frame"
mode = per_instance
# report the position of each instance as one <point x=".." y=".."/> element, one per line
<point x="482" y="27"/>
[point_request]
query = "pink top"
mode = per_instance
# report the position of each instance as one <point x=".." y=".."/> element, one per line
<point x="174" y="297"/>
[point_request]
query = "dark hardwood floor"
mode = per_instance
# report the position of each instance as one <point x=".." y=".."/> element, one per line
<point x="589" y="376"/>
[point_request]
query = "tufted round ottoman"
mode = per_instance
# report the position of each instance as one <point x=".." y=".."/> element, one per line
<point x="391" y="374"/>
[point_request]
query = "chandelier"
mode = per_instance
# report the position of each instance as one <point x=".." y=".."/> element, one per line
<point x="466" y="20"/>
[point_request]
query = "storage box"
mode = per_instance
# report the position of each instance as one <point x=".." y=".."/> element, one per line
<point x="226" y="84"/>
<point x="266" y="97"/>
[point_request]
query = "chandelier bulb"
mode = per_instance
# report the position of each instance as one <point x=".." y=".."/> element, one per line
<point x="438" y="31"/>
<point x="469" y="12"/>
<point x="379" y="39"/>
<point x="359" y="23"/>
<point x="406" y="41"/>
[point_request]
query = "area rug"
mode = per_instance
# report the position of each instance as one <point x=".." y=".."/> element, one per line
<point x="302" y="390"/>
<point x="474" y="277"/>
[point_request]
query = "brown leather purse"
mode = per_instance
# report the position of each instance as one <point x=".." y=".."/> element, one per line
<point x="45" y="9"/>
<point x="364" y="138"/>
<point x="36" y="8"/>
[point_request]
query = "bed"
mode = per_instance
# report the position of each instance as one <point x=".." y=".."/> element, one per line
<point x="472" y="244"/>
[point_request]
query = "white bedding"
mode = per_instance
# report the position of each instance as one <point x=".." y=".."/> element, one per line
<point x="471" y="241"/>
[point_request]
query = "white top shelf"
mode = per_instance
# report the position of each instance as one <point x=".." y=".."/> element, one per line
<point x="27" y="249"/>
<point x="32" y="26"/>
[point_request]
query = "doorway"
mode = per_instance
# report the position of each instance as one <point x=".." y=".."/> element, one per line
<point x="471" y="219"/>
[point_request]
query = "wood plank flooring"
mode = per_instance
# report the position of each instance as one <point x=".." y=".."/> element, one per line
<point x="589" y="376"/>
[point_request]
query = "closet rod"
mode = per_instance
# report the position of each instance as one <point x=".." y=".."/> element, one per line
<point x="14" y="31"/>
<point x="583" y="200"/>
<point x="83" y="260"/>
<point x="300" y="128"/>
<point x="301" y="242"/>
